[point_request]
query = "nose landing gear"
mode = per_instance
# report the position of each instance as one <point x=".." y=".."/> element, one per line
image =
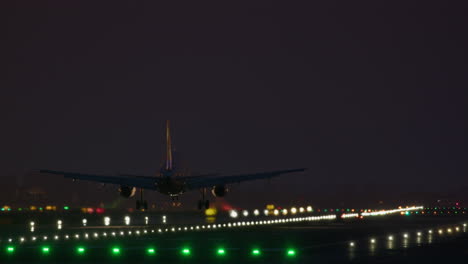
<point x="141" y="204"/>
<point x="203" y="203"/>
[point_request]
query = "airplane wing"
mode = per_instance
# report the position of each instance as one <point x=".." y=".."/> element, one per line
<point x="145" y="183"/>
<point x="197" y="183"/>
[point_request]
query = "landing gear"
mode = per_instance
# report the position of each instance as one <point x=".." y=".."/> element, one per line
<point x="141" y="204"/>
<point x="203" y="203"/>
<point x="175" y="201"/>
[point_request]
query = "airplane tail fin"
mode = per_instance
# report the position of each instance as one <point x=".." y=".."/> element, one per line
<point x="169" y="161"/>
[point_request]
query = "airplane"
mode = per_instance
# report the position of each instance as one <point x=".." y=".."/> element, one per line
<point x="169" y="183"/>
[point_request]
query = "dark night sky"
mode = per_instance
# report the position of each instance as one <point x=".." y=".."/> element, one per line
<point x="365" y="95"/>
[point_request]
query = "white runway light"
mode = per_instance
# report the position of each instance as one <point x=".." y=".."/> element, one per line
<point x="127" y="220"/>
<point x="107" y="221"/>
<point x="245" y="213"/>
<point x="84" y="222"/>
<point x="293" y="210"/>
<point x="233" y="214"/>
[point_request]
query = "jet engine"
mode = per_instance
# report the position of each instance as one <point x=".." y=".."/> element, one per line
<point x="219" y="190"/>
<point x="127" y="191"/>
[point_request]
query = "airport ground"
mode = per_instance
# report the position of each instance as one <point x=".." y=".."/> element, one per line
<point x="380" y="239"/>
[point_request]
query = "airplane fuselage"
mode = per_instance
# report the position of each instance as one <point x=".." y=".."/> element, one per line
<point x="171" y="186"/>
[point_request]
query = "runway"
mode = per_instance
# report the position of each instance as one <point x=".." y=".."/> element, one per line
<point x="289" y="239"/>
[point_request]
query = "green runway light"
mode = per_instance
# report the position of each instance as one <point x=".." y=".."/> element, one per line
<point x="221" y="252"/>
<point x="10" y="250"/>
<point x="186" y="251"/>
<point x="256" y="252"/>
<point x="291" y="253"/>
<point x="151" y="251"/>
<point x="66" y="208"/>
<point x="45" y="250"/>
<point x="116" y="251"/>
<point x="80" y="250"/>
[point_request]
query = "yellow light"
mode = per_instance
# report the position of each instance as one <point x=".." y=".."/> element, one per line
<point x="211" y="212"/>
<point x="270" y="207"/>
